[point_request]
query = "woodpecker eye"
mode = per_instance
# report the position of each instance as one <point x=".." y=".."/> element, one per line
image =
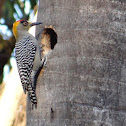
<point x="25" y="23"/>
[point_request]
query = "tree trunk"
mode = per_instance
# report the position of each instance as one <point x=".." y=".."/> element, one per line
<point x="84" y="82"/>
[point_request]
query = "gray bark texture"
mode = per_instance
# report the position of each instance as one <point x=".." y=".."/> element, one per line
<point x="84" y="82"/>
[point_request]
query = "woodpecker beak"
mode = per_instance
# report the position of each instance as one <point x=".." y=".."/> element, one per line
<point x="35" y="23"/>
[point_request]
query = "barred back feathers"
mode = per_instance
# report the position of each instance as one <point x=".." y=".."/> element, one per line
<point x="25" y="54"/>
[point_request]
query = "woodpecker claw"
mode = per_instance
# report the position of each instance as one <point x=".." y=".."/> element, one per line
<point x="42" y="45"/>
<point x="44" y="61"/>
<point x="41" y="49"/>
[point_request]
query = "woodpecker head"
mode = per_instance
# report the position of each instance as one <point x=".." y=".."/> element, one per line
<point x="22" y="26"/>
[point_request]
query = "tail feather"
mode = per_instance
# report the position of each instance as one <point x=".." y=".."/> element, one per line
<point x="32" y="96"/>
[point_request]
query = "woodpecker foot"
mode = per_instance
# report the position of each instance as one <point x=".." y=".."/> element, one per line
<point x="41" y="49"/>
<point x="42" y="45"/>
<point x="44" y="61"/>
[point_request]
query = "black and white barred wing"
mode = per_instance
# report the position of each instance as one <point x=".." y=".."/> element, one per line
<point x="25" y="54"/>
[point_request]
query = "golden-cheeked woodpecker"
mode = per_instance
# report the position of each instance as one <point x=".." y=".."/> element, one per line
<point x="28" y="54"/>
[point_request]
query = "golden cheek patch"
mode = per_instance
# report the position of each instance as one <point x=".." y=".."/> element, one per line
<point x="15" y="24"/>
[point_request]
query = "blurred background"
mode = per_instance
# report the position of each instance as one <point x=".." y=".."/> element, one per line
<point x="12" y="98"/>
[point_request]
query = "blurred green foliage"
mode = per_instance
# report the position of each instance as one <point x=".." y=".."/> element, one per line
<point x="16" y="7"/>
<point x="10" y="11"/>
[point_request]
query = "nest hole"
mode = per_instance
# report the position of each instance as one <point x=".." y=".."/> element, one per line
<point x="49" y="38"/>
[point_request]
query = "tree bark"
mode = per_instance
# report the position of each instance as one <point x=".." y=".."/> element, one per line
<point x="84" y="82"/>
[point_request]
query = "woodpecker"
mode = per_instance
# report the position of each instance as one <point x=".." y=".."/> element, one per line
<point x="28" y="57"/>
